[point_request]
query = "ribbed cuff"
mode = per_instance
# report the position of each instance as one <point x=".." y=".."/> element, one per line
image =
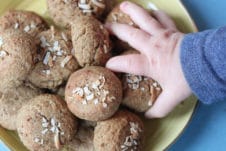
<point x="196" y="67"/>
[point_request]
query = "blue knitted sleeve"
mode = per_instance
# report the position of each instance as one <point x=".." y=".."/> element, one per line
<point x="203" y="59"/>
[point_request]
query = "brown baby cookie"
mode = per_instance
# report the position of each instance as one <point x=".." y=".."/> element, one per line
<point x="45" y="123"/>
<point x="83" y="140"/>
<point x="139" y="92"/>
<point x="16" y="58"/>
<point x="122" y="132"/>
<point x="92" y="7"/>
<point x="117" y="16"/>
<point x="90" y="41"/>
<point x="25" y="21"/>
<point x="55" y="61"/>
<point x="64" y="11"/>
<point x="93" y="93"/>
<point x="11" y="101"/>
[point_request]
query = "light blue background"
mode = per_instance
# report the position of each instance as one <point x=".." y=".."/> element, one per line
<point x="207" y="130"/>
<point x="3" y="147"/>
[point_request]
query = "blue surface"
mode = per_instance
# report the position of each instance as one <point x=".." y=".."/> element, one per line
<point x="3" y="147"/>
<point x="207" y="130"/>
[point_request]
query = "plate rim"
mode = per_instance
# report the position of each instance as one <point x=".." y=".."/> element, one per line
<point x="186" y="125"/>
<point x="189" y="15"/>
<point x="194" y="26"/>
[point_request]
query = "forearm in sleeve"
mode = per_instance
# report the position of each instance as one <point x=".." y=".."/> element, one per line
<point x="203" y="59"/>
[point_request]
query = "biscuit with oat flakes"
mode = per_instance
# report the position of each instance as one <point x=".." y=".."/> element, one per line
<point x="117" y="16"/>
<point x="139" y="92"/>
<point x="90" y="41"/>
<point x="16" y="58"/>
<point x="122" y="132"/>
<point x="55" y="61"/>
<point x="45" y="123"/>
<point x="64" y="12"/>
<point x="93" y="93"/>
<point x="11" y="101"/>
<point x="25" y="21"/>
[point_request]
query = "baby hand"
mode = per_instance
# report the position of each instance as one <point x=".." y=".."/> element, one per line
<point x="158" y="42"/>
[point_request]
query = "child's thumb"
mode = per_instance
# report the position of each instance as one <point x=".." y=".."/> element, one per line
<point x="134" y="63"/>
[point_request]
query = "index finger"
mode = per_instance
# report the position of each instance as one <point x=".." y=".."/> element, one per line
<point x="141" y="17"/>
<point x="136" y="38"/>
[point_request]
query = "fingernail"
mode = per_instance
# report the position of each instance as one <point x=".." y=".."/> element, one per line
<point x="123" y="5"/>
<point x="152" y="6"/>
<point x="110" y="64"/>
<point x="147" y="115"/>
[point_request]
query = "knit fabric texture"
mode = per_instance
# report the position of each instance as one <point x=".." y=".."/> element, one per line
<point x="203" y="59"/>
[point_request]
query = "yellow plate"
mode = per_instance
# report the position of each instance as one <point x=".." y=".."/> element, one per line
<point x="160" y="133"/>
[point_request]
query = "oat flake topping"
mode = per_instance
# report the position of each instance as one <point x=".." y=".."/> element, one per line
<point x="54" y="50"/>
<point x="132" y="141"/>
<point x="1" y="42"/>
<point x="26" y="28"/>
<point x="50" y="126"/>
<point x="47" y="72"/>
<point x="16" y="26"/>
<point x="94" y="93"/>
<point x="87" y="6"/>
<point x="133" y="82"/>
<point x="3" y="54"/>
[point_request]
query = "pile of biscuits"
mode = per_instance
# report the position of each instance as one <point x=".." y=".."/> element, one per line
<point x="55" y="91"/>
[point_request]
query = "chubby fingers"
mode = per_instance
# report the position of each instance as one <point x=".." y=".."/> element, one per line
<point x="141" y="17"/>
<point x="164" y="19"/>
<point x="135" y="63"/>
<point x="136" y="38"/>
